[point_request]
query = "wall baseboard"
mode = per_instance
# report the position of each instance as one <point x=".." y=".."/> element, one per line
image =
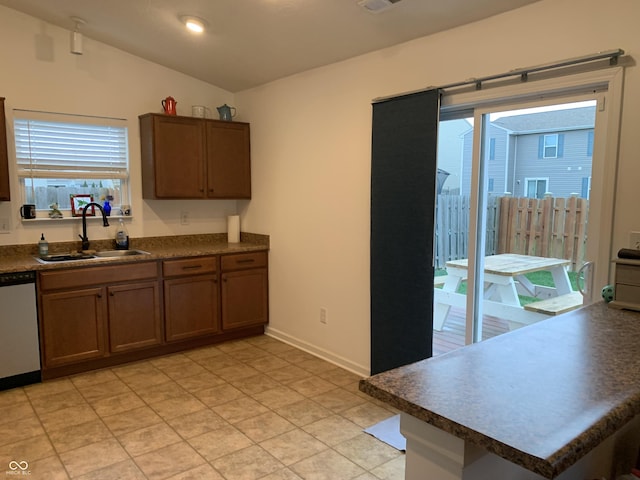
<point x="330" y="357"/>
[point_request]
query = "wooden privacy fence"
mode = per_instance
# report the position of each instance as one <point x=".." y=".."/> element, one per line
<point x="545" y="227"/>
<point x="548" y="227"/>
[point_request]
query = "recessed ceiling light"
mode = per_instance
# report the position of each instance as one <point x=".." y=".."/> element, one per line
<point x="193" y="24"/>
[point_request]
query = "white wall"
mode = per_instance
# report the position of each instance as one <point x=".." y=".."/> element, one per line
<point x="311" y="154"/>
<point x="39" y="73"/>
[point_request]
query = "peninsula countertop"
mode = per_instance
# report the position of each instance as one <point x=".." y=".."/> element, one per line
<point x="19" y="258"/>
<point x="540" y="397"/>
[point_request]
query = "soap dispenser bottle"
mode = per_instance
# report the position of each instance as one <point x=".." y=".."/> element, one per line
<point x="122" y="237"/>
<point x="43" y="246"/>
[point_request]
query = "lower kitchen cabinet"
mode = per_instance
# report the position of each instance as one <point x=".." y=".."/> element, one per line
<point x="73" y="326"/>
<point x="244" y="291"/>
<point x="135" y="319"/>
<point x="191" y="299"/>
<point x="82" y="317"/>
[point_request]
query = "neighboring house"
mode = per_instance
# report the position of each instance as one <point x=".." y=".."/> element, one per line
<point x="450" y="133"/>
<point x="537" y="153"/>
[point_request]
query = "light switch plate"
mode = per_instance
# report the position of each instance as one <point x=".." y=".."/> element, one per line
<point x="4" y="225"/>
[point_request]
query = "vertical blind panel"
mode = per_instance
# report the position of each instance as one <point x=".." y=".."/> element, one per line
<point x="403" y="182"/>
<point x="70" y="146"/>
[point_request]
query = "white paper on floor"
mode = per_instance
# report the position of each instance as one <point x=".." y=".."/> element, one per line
<point x="388" y="431"/>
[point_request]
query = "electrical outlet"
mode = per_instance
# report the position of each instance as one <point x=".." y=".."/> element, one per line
<point x="323" y="316"/>
<point x="4" y="225"/>
<point x="184" y="218"/>
<point x="634" y="240"/>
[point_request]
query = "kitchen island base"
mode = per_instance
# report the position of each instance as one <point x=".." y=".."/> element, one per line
<point x="435" y="454"/>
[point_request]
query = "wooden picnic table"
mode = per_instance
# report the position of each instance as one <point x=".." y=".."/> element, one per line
<point x="504" y="280"/>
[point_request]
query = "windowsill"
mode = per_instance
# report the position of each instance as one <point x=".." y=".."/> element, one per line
<point x="68" y="219"/>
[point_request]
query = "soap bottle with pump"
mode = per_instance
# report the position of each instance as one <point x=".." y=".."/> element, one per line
<point x="122" y="237"/>
<point x="43" y="246"/>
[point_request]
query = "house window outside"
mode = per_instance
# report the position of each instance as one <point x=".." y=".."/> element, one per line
<point x="550" y="146"/>
<point x="492" y="149"/>
<point x="59" y="155"/>
<point x="590" y="143"/>
<point x="535" y="187"/>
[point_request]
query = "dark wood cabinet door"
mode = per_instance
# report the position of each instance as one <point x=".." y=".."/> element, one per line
<point x="173" y="153"/>
<point x="135" y="319"/>
<point x="73" y="326"/>
<point x="245" y="298"/>
<point x="228" y="160"/>
<point x="4" y="158"/>
<point x="191" y="306"/>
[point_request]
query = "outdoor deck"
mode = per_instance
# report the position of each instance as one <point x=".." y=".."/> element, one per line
<point x="452" y="335"/>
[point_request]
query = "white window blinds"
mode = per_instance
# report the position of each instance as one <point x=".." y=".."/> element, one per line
<point x="69" y="146"/>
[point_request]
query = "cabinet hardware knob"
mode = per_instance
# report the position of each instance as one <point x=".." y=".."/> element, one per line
<point x="99" y="295"/>
<point x="111" y="294"/>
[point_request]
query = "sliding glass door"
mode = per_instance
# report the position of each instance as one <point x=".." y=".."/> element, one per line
<point x="523" y="198"/>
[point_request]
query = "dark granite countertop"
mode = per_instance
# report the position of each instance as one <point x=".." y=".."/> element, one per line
<point x="541" y="397"/>
<point x="20" y="258"/>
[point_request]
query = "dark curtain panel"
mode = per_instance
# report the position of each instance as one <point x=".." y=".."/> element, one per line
<point x="403" y="182"/>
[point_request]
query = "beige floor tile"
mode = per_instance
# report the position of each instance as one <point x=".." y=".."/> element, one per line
<point x="126" y="470"/>
<point x="177" y="406"/>
<point x="134" y="369"/>
<point x="304" y="412"/>
<point x="233" y="346"/>
<point x="93" y="457"/>
<point x="196" y="423"/>
<point x="146" y="379"/>
<point x="48" y="387"/>
<point x="333" y="430"/>
<point x="12" y="397"/>
<point x="93" y="378"/>
<point x="239" y="409"/>
<point x="277" y="348"/>
<point x="338" y="400"/>
<point x="202" y="353"/>
<point x="131" y="420"/>
<point x="288" y="374"/>
<point x="199" y="382"/>
<point x="278" y="397"/>
<point x="327" y="465"/>
<point x="236" y="372"/>
<point x="57" y="401"/>
<point x="117" y="404"/>
<point x="171" y="360"/>
<point x="249" y="353"/>
<point x="317" y="366"/>
<point x="160" y="392"/>
<point x="66" y="417"/>
<point x="293" y="446"/>
<point x="340" y="377"/>
<point x="295" y="356"/>
<point x="220" y="442"/>
<point x="20" y="429"/>
<point x="255" y="384"/>
<point x="267" y="363"/>
<point x="248" y="464"/>
<point x="96" y="391"/>
<point x="284" y="474"/>
<point x="148" y="439"/>
<point x="311" y="386"/>
<point x="264" y="426"/>
<point x="183" y="370"/>
<point x="367" y="414"/>
<point x="213" y="364"/>
<point x="367" y="451"/>
<point x="169" y="461"/>
<point x="76" y="436"/>
<point x="29" y="450"/>
<point x="367" y="476"/>
<point x="203" y="472"/>
<point x="218" y="394"/>
<point x="49" y="468"/>
<point x="392" y="470"/>
<point x="14" y="414"/>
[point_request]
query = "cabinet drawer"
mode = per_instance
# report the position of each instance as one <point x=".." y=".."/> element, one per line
<point x="81" y="277"/>
<point x="189" y="266"/>
<point x="627" y="293"/>
<point x="244" y="260"/>
<point x="629" y="274"/>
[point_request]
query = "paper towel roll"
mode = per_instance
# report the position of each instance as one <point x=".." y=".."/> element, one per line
<point x="233" y="228"/>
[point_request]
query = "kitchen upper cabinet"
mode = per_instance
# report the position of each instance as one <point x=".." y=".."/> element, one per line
<point x="191" y="298"/>
<point x="4" y="158"/>
<point x="245" y="291"/>
<point x="186" y="157"/>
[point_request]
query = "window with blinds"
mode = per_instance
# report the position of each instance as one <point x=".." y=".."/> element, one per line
<point x="62" y="155"/>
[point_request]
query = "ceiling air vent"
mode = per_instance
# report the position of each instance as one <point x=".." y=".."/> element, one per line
<point x="376" y="6"/>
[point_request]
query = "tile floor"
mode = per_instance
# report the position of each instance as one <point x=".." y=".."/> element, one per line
<point x="243" y="410"/>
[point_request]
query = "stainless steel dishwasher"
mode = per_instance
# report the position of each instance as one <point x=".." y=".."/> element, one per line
<point x="19" y="344"/>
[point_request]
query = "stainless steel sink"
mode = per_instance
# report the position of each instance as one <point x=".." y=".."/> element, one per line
<point x="64" y="257"/>
<point x="120" y="253"/>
